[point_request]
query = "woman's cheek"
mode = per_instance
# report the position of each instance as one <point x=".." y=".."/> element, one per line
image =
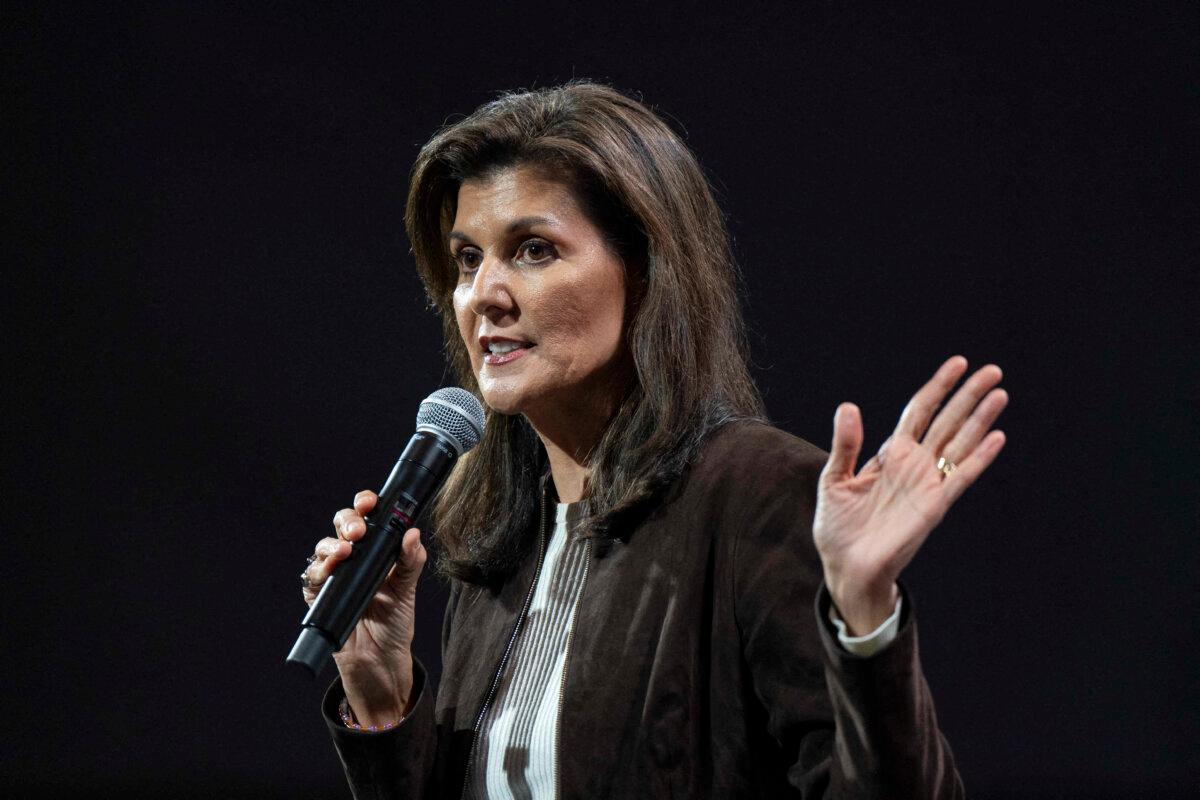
<point x="464" y="318"/>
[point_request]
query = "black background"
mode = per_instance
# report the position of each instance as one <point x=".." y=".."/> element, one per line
<point x="215" y="337"/>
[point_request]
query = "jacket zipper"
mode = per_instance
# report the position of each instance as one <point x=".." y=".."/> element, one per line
<point x="587" y="563"/>
<point x="487" y="701"/>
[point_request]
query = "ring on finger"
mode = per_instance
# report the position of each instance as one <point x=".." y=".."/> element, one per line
<point x="946" y="466"/>
<point x="305" y="581"/>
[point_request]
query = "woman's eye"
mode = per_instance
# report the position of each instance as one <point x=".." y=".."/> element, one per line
<point x="535" y="251"/>
<point x="468" y="260"/>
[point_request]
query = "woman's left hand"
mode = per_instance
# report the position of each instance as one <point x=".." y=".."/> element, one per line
<point x="869" y="526"/>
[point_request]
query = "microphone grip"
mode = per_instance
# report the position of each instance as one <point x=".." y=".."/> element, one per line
<point x="349" y="588"/>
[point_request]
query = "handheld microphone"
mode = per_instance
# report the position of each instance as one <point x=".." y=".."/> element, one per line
<point x="449" y="423"/>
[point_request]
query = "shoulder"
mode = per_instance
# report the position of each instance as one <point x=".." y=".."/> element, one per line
<point x="753" y="491"/>
<point x="749" y="474"/>
<point x="754" y="435"/>
<point x="758" y="456"/>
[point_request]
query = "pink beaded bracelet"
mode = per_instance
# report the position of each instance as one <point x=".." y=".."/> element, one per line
<point x="349" y="721"/>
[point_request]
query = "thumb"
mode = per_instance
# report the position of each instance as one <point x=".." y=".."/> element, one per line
<point x="412" y="559"/>
<point x="847" y="442"/>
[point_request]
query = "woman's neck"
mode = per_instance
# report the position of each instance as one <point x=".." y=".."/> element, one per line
<point x="570" y="476"/>
<point x="572" y="426"/>
<point x="569" y="435"/>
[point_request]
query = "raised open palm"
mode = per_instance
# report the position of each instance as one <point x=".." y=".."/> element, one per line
<point x="869" y="525"/>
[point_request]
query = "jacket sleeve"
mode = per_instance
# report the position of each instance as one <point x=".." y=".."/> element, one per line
<point x="407" y="761"/>
<point x="887" y="742"/>
<point x="396" y="763"/>
<point x="842" y="726"/>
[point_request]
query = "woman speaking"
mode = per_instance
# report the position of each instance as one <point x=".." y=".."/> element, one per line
<point x="654" y="593"/>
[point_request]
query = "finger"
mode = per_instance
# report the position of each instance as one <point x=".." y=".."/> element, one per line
<point x="948" y="421"/>
<point x="349" y="525"/>
<point x="973" y="465"/>
<point x="411" y="561"/>
<point x="915" y="418"/>
<point x="328" y="553"/>
<point x="364" y="501"/>
<point x="976" y="427"/>
<point x="847" y="442"/>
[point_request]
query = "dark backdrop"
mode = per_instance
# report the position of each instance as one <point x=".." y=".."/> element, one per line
<point x="215" y="337"/>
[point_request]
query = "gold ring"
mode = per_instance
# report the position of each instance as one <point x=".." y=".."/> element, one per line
<point x="946" y="466"/>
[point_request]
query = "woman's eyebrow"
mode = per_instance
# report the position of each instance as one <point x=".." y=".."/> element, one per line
<point x="519" y="224"/>
<point x="528" y="222"/>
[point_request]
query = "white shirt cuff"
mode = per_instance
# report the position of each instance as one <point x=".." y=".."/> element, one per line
<point x="871" y="643"/>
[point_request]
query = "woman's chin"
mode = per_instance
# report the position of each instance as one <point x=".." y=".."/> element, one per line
<point x="502" y="402"/>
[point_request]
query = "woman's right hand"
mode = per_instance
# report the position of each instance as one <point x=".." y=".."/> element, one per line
<point x="375" y="663"/>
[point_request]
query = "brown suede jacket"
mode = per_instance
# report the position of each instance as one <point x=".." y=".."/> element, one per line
<point x="696" y="667"/>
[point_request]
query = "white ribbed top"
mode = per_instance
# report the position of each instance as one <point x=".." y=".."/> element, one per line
<point x="515" y="752"/>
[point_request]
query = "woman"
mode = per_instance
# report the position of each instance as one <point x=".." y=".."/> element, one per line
<point x="634" y="556"/>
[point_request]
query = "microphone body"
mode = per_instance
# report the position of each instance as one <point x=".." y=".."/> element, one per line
<point x="420" y="471"/>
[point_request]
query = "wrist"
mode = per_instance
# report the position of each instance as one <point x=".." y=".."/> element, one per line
<point x="375" y="696"/>
<point x="350" y="719"/>
<point x="863" y="606"/>
<point x="380" y="711"/>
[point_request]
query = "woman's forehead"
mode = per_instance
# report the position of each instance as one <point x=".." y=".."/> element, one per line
<point x="514" y="197"/>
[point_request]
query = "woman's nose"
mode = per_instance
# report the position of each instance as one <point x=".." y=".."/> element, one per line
<point x="491" y="289"/>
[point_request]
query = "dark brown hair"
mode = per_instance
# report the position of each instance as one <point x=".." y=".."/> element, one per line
<point x="643" y="188"/>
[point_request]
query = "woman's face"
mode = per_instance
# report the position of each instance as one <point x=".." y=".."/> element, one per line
<point x="540" y="299"/>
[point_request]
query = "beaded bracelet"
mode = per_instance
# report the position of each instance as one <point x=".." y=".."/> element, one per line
<point x="348" y="720"/>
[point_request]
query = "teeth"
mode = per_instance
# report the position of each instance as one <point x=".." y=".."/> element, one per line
<point x="500" y="348"/>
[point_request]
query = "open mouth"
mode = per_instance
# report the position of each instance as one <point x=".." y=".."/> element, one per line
<point x="504" y="351"/>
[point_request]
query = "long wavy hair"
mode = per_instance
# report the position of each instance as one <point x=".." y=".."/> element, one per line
<point x="642" y="187"/>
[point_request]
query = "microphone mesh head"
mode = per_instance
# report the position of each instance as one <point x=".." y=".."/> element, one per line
<point x="455" y="413"/>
